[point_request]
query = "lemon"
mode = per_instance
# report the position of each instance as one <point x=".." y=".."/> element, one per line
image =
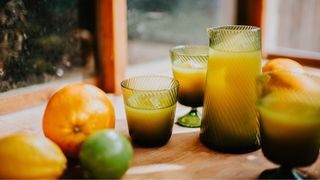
<point x="30" y="156"/>
<point x="106" y="154"/>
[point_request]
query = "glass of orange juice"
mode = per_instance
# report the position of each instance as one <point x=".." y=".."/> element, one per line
<point x="229" y="120"/>
<point x="289" y="106"/>
<point x="150" y="104"/>
<point x="189" y="65"/>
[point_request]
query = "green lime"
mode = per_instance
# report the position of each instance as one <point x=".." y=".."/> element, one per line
<point x="106" y="154"/>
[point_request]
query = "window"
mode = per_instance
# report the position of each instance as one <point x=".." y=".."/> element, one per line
<point x="291" y="29"/>
<point x="55" y="43"/>
<point x="154" y="26"/>
<point x="42" y="40"/>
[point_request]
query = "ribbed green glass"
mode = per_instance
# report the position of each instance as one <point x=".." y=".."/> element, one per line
<point x="189" y="65"/>
<point x="150" y="104"/>
<point x="229" y="120"/>
<point x="289" y="106"/>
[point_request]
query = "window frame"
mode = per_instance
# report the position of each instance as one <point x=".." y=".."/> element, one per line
<point x="112" y="59"/>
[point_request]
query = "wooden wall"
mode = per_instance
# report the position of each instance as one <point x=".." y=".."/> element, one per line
<point x="291" y="28"/>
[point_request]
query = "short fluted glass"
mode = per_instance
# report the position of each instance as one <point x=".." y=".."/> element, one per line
<point x="150" y="104"/>
<point x="189" y="65"/>
<point x="229" y="120"/>
<point x="289" y="106"/>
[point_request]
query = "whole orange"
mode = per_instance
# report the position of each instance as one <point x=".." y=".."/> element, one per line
<point x="73" y="113"/>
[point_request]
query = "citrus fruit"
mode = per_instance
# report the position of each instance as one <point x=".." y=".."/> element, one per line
<point x="287" y="73"/>
<point x="106" y="154"/>
<point x="30" y="156"/>
<point x="283" y="64"/>
<point x="286" y="79"/>
<point x="73" y="113"/>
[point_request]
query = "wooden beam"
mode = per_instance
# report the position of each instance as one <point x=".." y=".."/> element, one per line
<point x="112" y="43"/>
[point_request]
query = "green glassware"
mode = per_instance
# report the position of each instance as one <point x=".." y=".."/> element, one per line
<point x="189" y="65"/>
<point x="289" y="124"/>
<point x="150" y="104"/>
<point x="229" y="120"/>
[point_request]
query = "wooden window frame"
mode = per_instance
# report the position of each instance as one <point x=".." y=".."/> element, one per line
<point x="112" y="59"/>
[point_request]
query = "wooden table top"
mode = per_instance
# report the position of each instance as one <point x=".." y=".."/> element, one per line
<point x="185" y="157"/>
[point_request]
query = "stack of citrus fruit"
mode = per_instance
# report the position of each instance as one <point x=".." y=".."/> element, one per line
<point x="75" y="115"/>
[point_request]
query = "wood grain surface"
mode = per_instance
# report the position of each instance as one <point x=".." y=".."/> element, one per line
<point x="185" y="157"/>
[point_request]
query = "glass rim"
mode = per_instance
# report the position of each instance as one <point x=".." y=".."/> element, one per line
<point x="175" y="83"/>
<point x="173" y="50"/>
<point x="229" y="28"/>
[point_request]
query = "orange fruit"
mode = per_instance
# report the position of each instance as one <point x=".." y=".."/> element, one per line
<point x="30" y="156"/>
<point x="287" y="80"/>
<point x="73" y="113"/>
<point x="286" y="64"/>
<point x="287" y="73"/>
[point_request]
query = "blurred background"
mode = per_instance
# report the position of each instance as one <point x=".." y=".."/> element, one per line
<point x="45" y="40"/>
<point x="154" y="26"/>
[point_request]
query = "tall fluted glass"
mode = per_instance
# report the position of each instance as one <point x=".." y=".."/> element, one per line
<point x="229" y="120"/>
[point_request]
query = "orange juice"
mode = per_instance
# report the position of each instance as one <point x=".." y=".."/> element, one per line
<point x="290" y="127"/>
<point x="149" y="118"/>
<point x="230" y="97"/>
<point x="191" y="77"/>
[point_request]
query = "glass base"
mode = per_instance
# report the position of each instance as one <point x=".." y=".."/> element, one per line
<point x="191" y="120"/>
<point x="232" y="150"/>
<point x="283" y="173"/>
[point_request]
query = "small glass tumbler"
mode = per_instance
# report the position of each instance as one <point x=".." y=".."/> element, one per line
<point x="189" y="66"/>
<point x="150" y="104"/>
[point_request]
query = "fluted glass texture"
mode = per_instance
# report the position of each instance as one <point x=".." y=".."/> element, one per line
<point x="150" y="104"/>
<point x="230" y="121"/>
<point x="289" y="105"/>
<point x="189" y="64"/>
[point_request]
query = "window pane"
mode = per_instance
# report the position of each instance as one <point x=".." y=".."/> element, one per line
<point x="156" y="25"/>
<point x="40" y="40"/>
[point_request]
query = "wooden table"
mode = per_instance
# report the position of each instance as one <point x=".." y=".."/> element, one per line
<point x="185" y="157"/>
